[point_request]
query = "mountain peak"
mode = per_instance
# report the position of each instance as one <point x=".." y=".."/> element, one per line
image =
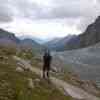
<point x="98" y="19"/>
<point x="91" y="35"/>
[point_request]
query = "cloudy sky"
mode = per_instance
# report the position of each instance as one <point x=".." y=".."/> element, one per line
<point x="47" y="18"/>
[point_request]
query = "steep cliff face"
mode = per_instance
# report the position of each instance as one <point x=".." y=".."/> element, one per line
<point x="91" y="35"/>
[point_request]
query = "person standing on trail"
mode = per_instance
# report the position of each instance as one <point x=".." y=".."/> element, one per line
<point x="46" y="64"/>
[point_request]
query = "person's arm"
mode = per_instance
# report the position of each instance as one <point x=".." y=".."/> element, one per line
<point x="50" y="58"/>
<point x="43" y="57"/>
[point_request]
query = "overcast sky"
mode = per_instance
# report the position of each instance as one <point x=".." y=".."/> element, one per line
<point x="47" y="18"/>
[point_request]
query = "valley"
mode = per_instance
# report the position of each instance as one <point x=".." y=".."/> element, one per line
<point x="75" y="68"/>
<point x="49" y="49"/>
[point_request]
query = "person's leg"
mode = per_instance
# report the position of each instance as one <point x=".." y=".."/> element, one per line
<point x="48" y="74"/>
<point x="48" y="70"/>
<point x="44" y="72"/>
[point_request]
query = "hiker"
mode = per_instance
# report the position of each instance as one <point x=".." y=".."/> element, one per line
<point x="46" y="64"/>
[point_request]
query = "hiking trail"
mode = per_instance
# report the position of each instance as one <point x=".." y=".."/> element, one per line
<point x="69" y="89"/>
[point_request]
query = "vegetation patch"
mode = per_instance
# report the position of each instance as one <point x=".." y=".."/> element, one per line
<point x="14" y="85"/>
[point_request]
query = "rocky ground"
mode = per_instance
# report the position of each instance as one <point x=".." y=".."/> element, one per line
<point x="85" y="62"/>
<point x="20" y="79"/>
<point x="18" y="83"/>
<point x="74" y="91"/>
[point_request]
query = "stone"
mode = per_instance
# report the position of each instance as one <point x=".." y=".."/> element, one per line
<point x="30" y="83"/>
<point x="19" y="69"/>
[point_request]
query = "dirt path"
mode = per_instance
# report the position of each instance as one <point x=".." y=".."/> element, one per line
<point x="73" y="91"/>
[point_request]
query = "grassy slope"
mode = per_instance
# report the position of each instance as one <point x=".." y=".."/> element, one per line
<point x="14" y="85"/>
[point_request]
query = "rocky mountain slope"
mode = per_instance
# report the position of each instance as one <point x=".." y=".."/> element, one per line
<point x="91" y="35"/>
<point x="7" y="38"/>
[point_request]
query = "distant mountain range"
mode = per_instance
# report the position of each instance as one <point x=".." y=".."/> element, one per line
<point x="29" y="43"/>
<point x="38" y="40"/>
<point x="9" y="39"/>
<point x="90" y="37"/>
<point x="60" y="44"/>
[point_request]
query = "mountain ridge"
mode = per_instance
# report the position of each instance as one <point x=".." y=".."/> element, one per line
<point x="9" y="39"/>
<point x="59" y="44"/>
<point x="91" y="35"/>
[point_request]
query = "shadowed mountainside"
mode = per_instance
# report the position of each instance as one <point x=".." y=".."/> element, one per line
<point x="91" y="35"/>
<point x="9" y="39"/>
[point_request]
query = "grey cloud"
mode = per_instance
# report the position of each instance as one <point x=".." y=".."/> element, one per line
<point x="26" y="8"/>
<point x="60" y="9"/>
<point x="84" y="10"/>
<point x="57" y="9"/>
<point x="90" y="13"/>
<point x="6" y="14"/>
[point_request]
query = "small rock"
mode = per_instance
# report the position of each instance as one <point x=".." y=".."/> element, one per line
<point x="37" y="80"/>
<point x="20" y="64"/>
<point x="23" y="66"/>
<point x="19" y="69"/>
<point x="30" y="83"/>
<point x="54" y="69"/>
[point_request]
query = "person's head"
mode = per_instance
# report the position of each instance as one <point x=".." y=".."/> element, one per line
<point x="47" y="51"/>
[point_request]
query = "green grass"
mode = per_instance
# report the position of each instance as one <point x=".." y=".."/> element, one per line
<point x="27" y="54"/>
<point x="14" y="85"/>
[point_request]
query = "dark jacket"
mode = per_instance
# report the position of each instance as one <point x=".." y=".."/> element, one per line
<point x="47" y="59"/>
